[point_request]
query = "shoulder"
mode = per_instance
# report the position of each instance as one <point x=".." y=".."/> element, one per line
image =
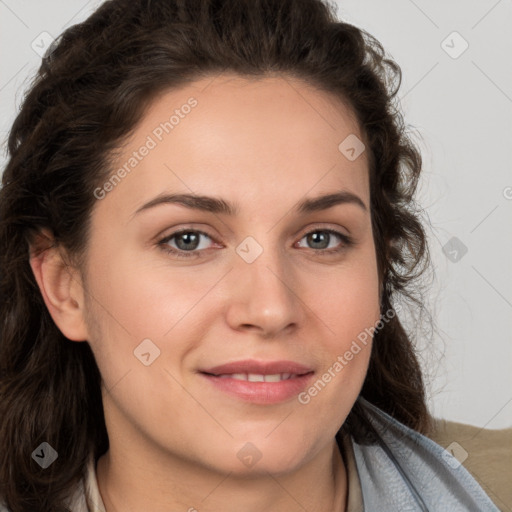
<point x="485" y="453"/>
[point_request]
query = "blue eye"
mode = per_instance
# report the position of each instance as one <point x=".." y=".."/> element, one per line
<point x="327" y="235"/>
<point x="188" y="242"/>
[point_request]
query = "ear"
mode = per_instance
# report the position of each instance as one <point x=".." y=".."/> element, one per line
<point x="60" y="285"/>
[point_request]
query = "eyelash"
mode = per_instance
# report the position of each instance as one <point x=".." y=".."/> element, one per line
<point x="347" y="242"/>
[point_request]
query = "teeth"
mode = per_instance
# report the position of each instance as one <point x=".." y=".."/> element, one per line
<point x="254" y="377"/>
<point x="257" y="377"/>
<point x="273" y="378"/>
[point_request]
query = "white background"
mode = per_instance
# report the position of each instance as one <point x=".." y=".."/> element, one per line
<point x="459" y="110"/>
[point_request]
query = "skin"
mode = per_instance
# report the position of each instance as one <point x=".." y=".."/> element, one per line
<point x="263" y="144"/>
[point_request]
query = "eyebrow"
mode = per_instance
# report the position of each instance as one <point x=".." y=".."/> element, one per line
<point x="217" y="205"/>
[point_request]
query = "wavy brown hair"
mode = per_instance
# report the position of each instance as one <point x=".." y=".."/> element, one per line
<point x="91" y="89"/>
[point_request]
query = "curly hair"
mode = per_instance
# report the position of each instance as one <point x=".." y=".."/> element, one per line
<point x="93" y="86"/>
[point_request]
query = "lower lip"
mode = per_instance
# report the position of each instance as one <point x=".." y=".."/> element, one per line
<point x="261" y="392"/>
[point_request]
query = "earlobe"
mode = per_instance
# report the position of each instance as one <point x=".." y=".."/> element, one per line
<point x="61" y="288"/>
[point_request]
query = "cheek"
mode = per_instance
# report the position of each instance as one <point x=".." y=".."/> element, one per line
<point x="144" y="296"/>
<point x="347" y="302"/>
<point x="346" y="350"/>
<point x="133" y="299"/>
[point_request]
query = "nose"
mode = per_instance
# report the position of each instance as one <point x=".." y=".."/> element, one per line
<point x="263" y="295"/>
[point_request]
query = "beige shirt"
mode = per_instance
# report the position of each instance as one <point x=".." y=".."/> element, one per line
<point x="486" y="454"/>
<point x="88" y="498"/>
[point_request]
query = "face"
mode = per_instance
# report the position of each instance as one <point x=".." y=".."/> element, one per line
<point x="270" y="286"/>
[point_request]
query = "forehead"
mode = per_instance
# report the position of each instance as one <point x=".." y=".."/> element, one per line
<point x="241" y="138"/>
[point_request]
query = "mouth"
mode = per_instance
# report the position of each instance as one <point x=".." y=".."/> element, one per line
<point x="260" y="382"/>
<point x="257" y="377"/>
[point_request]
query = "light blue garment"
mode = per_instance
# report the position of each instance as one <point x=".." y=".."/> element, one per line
<point x="407" y="472"/>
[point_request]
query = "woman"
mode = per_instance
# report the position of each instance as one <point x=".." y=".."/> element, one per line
<point x="206" y="217"/>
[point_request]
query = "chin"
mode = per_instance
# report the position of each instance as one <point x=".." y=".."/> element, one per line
<point x="261" y="456"/>
<point x="263" y="468"/>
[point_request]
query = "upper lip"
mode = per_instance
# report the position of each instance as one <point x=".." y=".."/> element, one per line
<point x="259" y="367"/>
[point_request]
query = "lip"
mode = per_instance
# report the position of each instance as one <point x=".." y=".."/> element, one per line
<point x="264" y="393"/>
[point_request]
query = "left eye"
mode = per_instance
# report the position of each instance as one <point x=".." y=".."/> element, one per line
<point x="320" y="236"/>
